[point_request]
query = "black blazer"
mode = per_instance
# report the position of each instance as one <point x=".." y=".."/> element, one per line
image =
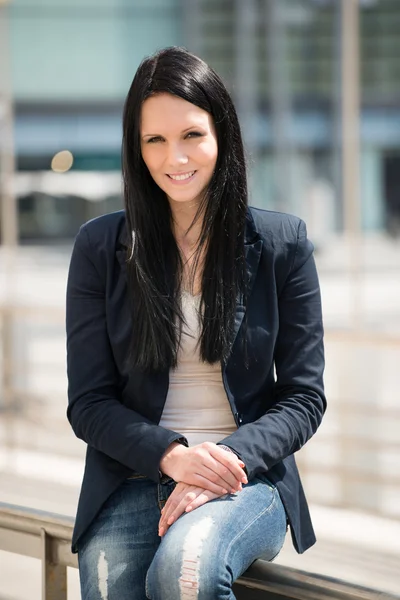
<point x="116" y="410"/>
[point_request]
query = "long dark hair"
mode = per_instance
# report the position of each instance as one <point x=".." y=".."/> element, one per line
<point x="154" y="262"/>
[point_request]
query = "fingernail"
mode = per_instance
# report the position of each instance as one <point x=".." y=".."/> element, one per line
<point x="244" y="480"/>
<point x="242" y="464"/>
<point x="224" y="491"/>
<point x="171" y="520"/>
<point x="188" y="508"/>
<point x="161" y="531"/>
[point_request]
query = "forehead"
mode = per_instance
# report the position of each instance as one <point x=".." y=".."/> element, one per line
<point x="165" y="112"/>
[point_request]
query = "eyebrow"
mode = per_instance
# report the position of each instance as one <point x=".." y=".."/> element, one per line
<point x="183" y="131"/>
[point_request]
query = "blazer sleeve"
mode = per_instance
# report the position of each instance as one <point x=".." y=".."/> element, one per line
<point x="95" y="411"/>
<point x="299" y="400"/>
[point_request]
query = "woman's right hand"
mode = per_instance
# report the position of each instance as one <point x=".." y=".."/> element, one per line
<point x="206" y="465"/>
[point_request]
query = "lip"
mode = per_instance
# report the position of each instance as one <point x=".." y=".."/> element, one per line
<point x="182" y="181"/>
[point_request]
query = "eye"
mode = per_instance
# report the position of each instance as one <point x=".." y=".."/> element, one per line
<point x="154" y="139"/>
<point x="194" y="134"/>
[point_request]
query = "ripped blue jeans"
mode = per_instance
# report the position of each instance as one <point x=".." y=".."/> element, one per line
<point x="121" y="556"/>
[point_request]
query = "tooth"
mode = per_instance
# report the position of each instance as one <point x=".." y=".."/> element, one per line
<point x="182" y="177"/>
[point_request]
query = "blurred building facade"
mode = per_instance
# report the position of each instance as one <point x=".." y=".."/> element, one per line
<point x="72" y="64"/>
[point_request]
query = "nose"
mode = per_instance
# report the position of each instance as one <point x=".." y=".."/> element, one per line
<point x="176" y="156"/>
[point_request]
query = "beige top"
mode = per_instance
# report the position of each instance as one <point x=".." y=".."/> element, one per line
<point x="196" y="404"/>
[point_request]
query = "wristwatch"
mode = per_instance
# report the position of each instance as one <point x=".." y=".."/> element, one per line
<point x="227" y="448"/>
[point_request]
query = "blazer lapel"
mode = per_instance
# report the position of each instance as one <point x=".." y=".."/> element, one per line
<point x="253" y="254"/>
<point x="122" y="246"/>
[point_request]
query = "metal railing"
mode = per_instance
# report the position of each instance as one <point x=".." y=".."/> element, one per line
<point x="47" y="536"/>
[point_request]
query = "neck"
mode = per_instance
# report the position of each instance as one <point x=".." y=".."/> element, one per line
<point x="183" y="215"/>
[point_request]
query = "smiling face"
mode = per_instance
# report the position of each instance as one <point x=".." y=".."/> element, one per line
<point x="179" y="146"/>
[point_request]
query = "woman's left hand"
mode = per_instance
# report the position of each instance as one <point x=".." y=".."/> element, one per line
<point x="184" y="498"/>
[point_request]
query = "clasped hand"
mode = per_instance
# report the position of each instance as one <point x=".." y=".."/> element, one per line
<point x="202" y="473"/>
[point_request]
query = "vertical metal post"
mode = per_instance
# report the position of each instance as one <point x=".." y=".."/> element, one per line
<point x="246" y="16"/>
<point x="350" y="169"/>
<point x="350" y="69"/>
<point x="54" y="577"/>
<point x="350" y="66"/>
<point x="280" y="103"/>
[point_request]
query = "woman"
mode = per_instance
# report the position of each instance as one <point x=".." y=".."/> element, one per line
<point x="180" y="310"/>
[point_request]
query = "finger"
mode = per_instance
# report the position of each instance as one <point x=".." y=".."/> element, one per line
<point x="173" y="500"/>
<point x="230" y="461"/>
<point x="186" y="500"/>
<point x="220" y="475"/>
<point x="167" y="513"/>
<point x="206" y="484"/>
<point x="201" y="499"/>
<point x="226" y="464"/>
<point x="209" y="455"/>
<point x="169" y="506"/>
<point x="177" y="510"/>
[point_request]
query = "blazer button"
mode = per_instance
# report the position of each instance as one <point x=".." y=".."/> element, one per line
<point x="239" y="418"/>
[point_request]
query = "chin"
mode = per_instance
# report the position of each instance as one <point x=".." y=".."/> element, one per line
<point x="182" y="199"/>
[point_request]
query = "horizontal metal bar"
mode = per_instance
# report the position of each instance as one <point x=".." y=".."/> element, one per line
<point x="20" y="542"/>
<point x="22" y="531"/>
<point x="19" y="518"/>
<point x="30" y="544"/>
<point x="286" y="582"/>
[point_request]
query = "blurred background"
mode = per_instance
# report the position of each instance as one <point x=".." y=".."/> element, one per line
<point x="317" y="87"/>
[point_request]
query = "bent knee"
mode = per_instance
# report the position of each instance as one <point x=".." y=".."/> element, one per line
<point x="184" y="566"/>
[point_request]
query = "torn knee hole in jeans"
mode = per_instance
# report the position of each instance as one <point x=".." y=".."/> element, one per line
<point x="191" y="558"/>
